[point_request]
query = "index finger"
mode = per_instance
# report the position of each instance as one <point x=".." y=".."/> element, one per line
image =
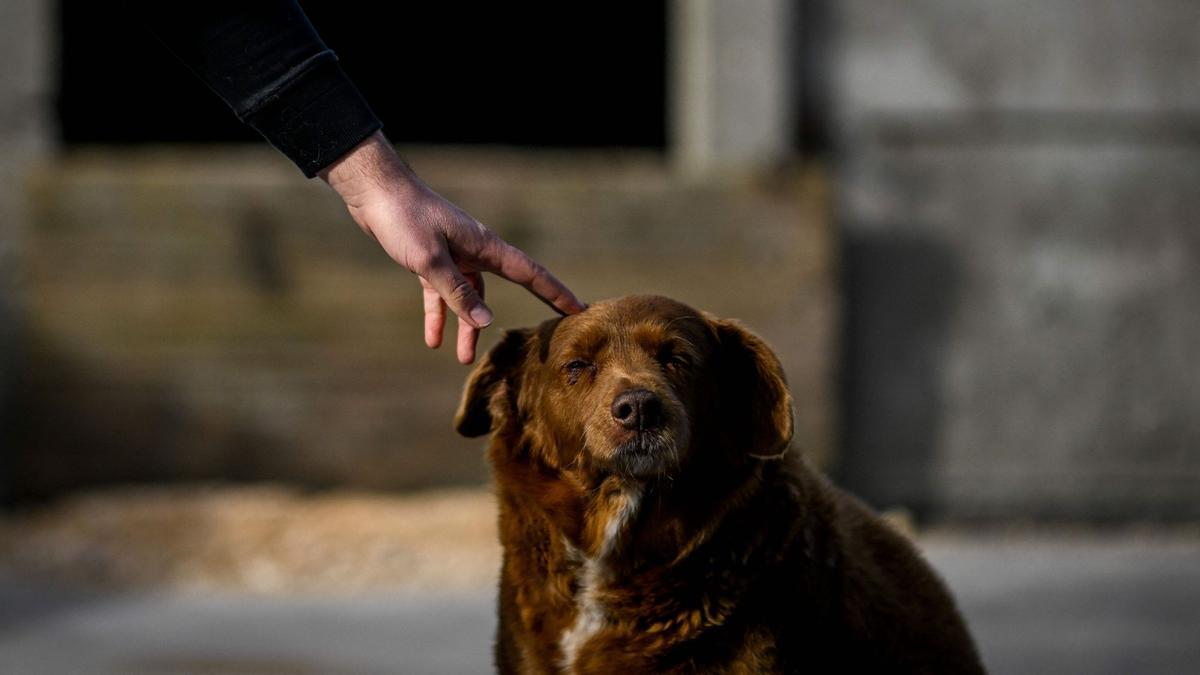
<point x="510" y="262"/>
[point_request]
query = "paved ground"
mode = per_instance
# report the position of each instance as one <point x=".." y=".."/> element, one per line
<point x="226" y="634"/>
<point x="1087" y="605"/>
<point x="1091" y="604"/>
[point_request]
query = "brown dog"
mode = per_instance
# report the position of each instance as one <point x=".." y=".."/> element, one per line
<point x="652" y="522"/>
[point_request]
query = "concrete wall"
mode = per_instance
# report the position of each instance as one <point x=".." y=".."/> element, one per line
<point x="1018" y="187"/>
<point x="732" y="85"/>
<point x="25" y="103"/>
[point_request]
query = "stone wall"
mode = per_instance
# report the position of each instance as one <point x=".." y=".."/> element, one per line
<point x="1017" y="186"/>
<point x="211" y="315"/>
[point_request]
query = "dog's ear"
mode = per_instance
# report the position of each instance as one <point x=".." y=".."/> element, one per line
<point x="754" y="393"/>
<point x="474" y="417"/>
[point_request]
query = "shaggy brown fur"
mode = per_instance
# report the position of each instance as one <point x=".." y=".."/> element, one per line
<point x="652" y="522"/>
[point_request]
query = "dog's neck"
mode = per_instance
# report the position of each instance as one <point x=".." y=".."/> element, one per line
<point x="593" y="518"/>
<point x="608" y="516"/>
<point x="624" y="519"/>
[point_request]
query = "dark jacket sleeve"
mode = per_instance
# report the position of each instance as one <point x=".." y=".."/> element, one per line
<point x="266" y="61"/>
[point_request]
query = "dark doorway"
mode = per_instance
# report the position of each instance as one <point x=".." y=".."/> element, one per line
<point x="533" y="74"/>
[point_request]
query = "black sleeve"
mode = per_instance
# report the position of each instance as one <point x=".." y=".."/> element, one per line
<point x="266" y="61"/>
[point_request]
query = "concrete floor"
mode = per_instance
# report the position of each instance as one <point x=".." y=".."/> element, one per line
<point x="43" y="631"/>
<point x="1094" y="605"/>
<point x="1086" y="605"/>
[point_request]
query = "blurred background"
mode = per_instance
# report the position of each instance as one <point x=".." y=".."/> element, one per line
<point x="970" y="229"/>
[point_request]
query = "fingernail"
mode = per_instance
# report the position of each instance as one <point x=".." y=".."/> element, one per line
<point x="482" y="316"/>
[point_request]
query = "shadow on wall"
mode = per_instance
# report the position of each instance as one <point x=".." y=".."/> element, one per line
<point x="80" y="425"/>
<point x="10" y="360"/>
<point x="900" y="292"/>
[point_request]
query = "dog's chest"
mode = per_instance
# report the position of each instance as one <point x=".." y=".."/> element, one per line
<point x="593" y="572"/>
<point x="581" y="608"/>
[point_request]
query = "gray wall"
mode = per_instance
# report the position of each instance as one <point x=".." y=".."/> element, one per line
<point x="1019" y="187"/>
<point x="25" y="111"/>
<point x="732" y="94"/>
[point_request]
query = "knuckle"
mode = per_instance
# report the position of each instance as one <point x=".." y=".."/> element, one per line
<point x="519" y="259"/>
<point x="463" y="290"/>
<point x="536" y="269"/>
<point x="493" y="249"/>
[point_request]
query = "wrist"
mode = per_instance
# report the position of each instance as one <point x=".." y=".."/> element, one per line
<point x="368" y="167"/>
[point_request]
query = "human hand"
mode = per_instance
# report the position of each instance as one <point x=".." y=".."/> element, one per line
<point x="439" y="242"/>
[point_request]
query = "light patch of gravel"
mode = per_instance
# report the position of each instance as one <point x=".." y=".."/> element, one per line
<point x="259" y="539"/>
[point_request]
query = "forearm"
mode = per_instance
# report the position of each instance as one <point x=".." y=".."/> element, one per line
<point x="265" y="60"/>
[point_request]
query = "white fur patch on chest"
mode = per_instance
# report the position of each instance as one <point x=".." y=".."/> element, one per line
<point x="590" y="613"/>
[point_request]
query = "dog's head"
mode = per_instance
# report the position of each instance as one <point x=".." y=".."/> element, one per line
<point x="640" y="386"/>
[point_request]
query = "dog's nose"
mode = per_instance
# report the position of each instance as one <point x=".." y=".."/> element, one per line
<point x="638" y="409"/>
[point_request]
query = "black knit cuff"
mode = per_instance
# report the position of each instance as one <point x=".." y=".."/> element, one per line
<point x="318" y="117"/>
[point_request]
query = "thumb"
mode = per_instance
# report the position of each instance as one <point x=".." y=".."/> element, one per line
<point x="460" y="295"/>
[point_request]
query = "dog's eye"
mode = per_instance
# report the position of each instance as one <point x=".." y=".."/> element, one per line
<point x="672" y="359"/>
<point x="575" y="368"/>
